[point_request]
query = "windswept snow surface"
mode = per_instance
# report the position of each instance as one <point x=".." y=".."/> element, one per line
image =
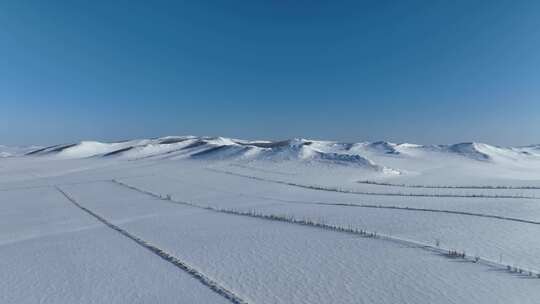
<point x="7" y="151"/>
<point x="185" y="219"/>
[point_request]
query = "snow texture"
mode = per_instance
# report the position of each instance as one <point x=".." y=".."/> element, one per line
<point x="186" y="219"/>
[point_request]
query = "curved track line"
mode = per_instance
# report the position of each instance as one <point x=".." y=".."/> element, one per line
<point x="405" y="208"/>
<point x="335" y="189"/>
<point x="201" y="277"/>
<point x="368" y="182"/>
<point x="371" y="206"/>
<point x="447" y="252"/>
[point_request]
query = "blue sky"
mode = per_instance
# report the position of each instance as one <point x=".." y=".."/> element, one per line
<point x="414" y="71"/>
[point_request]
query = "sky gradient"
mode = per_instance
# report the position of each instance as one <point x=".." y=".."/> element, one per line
<point x="404" y="71"/>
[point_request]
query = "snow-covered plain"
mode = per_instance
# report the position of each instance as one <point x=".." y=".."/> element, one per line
<point x="218" y="220"/>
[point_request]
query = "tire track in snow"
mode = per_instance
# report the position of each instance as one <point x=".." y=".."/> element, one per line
<point x="371" y="206"/>
<point x="335" y="189"/>
<point x="446" y="252"/>
<point x="201" y="277"/>
<point x="368" y="182"/>
<point x="404" y="208"/>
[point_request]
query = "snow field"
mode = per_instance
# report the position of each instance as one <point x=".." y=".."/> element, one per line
<point x="158" y="221"/>
<point x="273" y="262"/>
<point x="508" y="242"/>
<point x="55" y="253"/>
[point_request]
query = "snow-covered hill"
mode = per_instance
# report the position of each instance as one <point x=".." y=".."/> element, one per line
<point x="211" y="148"/>
<point x="458" y="164"/>
<point x="220" y="147"/>
<point x="376" y="156"/>
<point x="223" y="220"/>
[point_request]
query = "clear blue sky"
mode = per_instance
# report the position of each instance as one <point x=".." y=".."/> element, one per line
<point x="415" y="71"/>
